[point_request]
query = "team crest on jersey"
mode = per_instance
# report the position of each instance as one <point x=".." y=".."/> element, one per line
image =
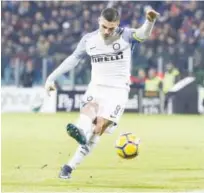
<point x="116" y="46"/>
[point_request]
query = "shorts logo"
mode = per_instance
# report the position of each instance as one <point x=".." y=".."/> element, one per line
<point x="89" y="98"/>
<point x="111" y="116"/>
<point x="116" y="46"/>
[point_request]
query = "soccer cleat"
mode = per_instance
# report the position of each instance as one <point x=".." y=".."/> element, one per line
<point x="65" y="172"/>
<point x="76" y="133"/>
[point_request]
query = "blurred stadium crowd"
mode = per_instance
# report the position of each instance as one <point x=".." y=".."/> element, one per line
<point x="33" y="31"/>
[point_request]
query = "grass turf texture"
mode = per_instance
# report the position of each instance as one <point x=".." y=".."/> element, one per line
<point x="35" y="146"/>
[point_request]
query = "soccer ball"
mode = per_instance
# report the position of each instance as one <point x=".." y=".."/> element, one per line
<point x="127" y="146"/>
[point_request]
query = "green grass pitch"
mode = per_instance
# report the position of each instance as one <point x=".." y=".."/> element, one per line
<point x="35" y="146"/>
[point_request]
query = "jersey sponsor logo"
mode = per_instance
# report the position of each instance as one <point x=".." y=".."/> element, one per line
<point x="107" y="57"/>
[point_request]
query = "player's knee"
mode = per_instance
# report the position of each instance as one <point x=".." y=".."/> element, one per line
<point x="90" y="110"/>
<point x="90" y="105"/>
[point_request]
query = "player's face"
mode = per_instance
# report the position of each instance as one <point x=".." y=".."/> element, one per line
<point x="107" y="28"/>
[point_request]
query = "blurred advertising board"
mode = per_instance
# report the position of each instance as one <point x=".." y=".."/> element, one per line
<point x="14" y="99"/>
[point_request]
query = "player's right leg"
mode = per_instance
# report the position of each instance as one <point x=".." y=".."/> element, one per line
<point x="82" y="132"/>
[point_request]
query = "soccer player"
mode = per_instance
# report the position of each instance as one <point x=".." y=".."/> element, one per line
<point x="104" y="101"/>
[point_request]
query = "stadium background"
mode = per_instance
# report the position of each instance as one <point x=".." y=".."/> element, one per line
<point x="37" y="36"/>
<point x="37" y="32"/>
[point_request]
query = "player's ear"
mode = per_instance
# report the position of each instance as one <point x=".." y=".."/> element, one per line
<point x="118" y="23"/>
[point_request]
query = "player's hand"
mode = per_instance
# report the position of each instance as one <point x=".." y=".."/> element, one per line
<point x="151" y="15"/>
<point x="49" y="86"/>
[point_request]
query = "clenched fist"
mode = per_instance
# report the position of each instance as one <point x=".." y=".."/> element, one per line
<point x="151" y="15"/>
<point x="49" y="86"/>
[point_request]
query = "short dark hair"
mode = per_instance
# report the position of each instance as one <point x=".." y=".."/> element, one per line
<point x="110" y="14"/>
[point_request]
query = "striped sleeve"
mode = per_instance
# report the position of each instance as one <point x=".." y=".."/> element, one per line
<point x="139" y="34"/>
<point x="71" y="61"/>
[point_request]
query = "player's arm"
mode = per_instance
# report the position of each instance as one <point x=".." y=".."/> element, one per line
<point x="143" y="33"/>
<point x="68" y="64"/>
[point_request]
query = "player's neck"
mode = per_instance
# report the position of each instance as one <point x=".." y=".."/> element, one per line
<point x="109" y="40"/>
